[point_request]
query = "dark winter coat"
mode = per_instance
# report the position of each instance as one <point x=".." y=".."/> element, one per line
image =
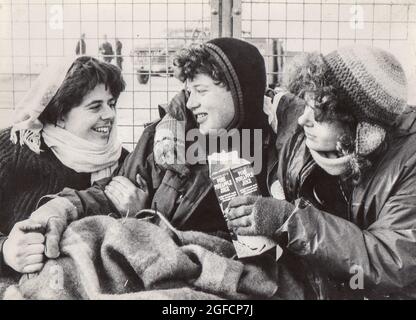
<point x="353" y="242"/>
<point x="25" y="177"/>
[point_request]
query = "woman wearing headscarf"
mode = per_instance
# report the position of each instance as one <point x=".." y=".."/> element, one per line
<point x="63" y="135"/>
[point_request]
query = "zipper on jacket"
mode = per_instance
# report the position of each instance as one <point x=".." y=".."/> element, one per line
<point x="347" y="199"/>
<point x="268" y="176"/>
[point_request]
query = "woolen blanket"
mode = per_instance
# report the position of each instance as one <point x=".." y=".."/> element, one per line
<point x="106" y="258"/>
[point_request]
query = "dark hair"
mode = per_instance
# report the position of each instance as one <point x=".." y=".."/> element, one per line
<point x="309" y="72"/>
<point x="196" y="59"/>
<point x="82" y="77"/>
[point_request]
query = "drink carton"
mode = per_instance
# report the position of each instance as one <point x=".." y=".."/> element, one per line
<point x="233" y="176"/>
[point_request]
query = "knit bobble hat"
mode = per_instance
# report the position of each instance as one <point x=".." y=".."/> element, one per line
<point x="375" y="86"/>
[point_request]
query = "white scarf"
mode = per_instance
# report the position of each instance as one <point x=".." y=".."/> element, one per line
<point x="82" y="155"/>
<point x="333" y="166"/>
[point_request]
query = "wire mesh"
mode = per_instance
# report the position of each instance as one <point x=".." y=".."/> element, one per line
<point x="34" y="33"/>
<point x="282" y="29"/>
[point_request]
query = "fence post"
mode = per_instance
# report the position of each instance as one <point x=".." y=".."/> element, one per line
<point x="226" y="15"/>
<point x="236" y="18"/>
<point x="215" y="18"/>
<point x="225" y="18"/>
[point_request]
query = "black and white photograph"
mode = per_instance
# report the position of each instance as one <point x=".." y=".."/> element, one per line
<point x="208" y="150"/>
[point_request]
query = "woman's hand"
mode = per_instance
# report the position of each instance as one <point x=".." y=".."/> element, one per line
<point x="126" y="197"/>
<point x="24" y="248"/>
<point x="252" y="215"/>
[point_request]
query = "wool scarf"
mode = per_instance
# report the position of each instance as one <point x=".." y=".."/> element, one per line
<point x="333" y="166"/>
<point x="82" y="155"/>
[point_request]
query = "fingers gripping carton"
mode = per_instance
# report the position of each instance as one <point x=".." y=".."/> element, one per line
<point x="233" y="176"/>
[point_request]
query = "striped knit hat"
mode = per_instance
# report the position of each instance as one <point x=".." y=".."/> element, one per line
<point x="245" y="73"/>
<point x="374" y="83"/>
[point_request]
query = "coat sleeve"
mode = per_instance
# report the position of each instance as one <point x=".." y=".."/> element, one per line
<point x="385" y="253"/>
<point x="93" y="200"/>
<point x="8" y="160"/>
<point x="5" y="270"/>
<point x="9" y="156"/>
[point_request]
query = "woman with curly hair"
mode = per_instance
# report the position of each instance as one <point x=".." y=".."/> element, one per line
<point x="307" y="77"/>
<point x="348" y="174"/>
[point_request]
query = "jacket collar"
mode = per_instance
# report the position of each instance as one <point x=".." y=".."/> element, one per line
<point x="406" y="123"/>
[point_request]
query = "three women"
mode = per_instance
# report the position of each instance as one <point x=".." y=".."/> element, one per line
<point x="347" y="173"/>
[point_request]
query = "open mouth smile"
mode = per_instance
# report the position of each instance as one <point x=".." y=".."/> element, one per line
<point x="103" y="129"/>
<point x="201" y="117"/>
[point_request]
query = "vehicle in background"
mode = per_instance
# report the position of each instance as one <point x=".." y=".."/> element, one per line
<point x="154" y="58"/>
<point x="155" y="62"/>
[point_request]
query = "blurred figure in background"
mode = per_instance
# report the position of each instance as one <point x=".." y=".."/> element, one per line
<point x="106" y="50"/>
<point x="119" y="56"/>
<point x="81" y="47"/>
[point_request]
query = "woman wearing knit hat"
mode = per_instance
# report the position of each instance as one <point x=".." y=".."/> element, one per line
<point x="348" y="224"/>
<point x="63" y="135"/>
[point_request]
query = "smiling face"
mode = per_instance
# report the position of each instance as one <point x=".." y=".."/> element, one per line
<point x="94" y="118"/>
<point x="320" y="136"/>
<point x="211" y="104"/>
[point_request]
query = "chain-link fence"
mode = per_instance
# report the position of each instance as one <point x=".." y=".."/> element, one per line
<point x="283" y="28"/>
<point x="34" y="33"/>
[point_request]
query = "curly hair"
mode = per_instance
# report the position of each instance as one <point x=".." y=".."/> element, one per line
<point x="196" y="59"/>
<point x="308" y="72"/>
<point x="83" y="76"/>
